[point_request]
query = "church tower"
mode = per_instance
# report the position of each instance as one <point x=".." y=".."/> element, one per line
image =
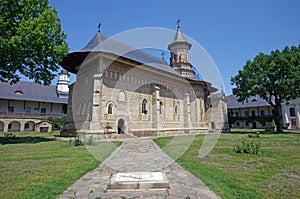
<point x="63" y="82"/>
<point x="180" y="58"/>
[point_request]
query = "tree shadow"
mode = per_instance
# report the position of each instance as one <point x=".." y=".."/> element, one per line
<point x="23" y="140"/>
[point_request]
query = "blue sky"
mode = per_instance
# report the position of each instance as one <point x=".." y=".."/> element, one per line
<point x="231" y="31"/>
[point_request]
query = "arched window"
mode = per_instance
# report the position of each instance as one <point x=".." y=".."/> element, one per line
<point x="292" y="112"/>
<point x="144" y="106"/>
<point x="122" y="97"/>
<point x="110" y="108"/>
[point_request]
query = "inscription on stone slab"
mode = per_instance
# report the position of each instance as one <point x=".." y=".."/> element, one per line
<point x="138" y="180"/>
<point x="139" y="176"/>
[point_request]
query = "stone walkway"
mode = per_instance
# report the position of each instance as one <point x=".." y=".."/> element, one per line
<point x="137" y="155"/>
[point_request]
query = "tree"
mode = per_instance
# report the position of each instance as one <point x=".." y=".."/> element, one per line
<point x="274" y="77"/>
<point x="32" y="42"/>
<point x="59" y="121"/>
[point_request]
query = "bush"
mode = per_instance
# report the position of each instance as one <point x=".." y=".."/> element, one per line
<point x="247" y="147"/>
<point x="77" y="142"/>
<point x="250" y="135"/>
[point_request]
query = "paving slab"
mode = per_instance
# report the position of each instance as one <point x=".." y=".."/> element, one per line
<point x="138" y="155"/>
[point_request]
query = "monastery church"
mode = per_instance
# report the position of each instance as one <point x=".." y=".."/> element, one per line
<point x="123" y="90"/>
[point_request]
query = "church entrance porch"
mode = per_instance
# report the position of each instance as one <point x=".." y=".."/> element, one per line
<point x="121" y="126"/>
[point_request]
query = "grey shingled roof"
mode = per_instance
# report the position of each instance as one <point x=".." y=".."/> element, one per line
<point x="103" y="43"/>
<point x="31" y="92"/>
<point x="252" y="102"/>
<point x="179" y="38"/>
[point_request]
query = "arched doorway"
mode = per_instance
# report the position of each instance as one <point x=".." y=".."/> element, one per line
<point x="121" y="126"/>
<point x="14" y="126"/>
<point x="29" y="126"/>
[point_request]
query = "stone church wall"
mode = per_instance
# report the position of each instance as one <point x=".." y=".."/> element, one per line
<point x="109" y="95"/>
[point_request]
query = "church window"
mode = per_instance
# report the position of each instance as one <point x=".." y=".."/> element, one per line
<point x="144" y="106"/>
<point x="110" y="108"/>
<point x="160" y="107"/>
<point x="292" y="112"/>
<point x="176" y="109"/>
<point x="122" y="97"/>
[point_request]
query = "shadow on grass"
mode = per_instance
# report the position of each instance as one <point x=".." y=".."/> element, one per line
<point x="265" y="132"/>
<point x="22" y="140"/>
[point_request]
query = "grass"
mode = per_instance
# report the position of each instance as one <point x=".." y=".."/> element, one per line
<point x="34" y="166"/>
<point x="273" y="173"/>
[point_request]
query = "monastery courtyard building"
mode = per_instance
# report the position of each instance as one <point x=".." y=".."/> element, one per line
<point x="123" y="90"/>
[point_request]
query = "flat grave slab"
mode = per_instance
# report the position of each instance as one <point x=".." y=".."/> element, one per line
<point x="138" y="181"/>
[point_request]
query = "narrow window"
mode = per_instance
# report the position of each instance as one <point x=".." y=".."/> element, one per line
<point x="110" y="107"/>
<point x="292" y="112"/>
<point x="160" y="107"/>
<point x="176" y="109"/>
<point x="144" y="106"/>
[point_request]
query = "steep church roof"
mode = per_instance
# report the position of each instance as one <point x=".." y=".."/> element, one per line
<point x="101" y="43"/>
<point x="179" y="38"/>
<point x="105" y="44"/>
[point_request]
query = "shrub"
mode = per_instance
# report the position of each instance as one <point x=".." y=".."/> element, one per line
<point x="77" y="141"/>
<point x="9" y="135"/>
<point x="247" y="147"/>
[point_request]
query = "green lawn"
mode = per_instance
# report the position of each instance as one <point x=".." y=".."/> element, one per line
<point x="273" y="173"/>
<point x="34" y="166"/>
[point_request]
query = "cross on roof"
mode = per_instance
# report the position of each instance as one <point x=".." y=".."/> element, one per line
<point x="99" y="26"/>
<point x="178" y="22"/>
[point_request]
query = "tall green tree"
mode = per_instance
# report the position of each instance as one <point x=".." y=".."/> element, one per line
<point x="274" y="77"/>
<point x="32" y="42"/>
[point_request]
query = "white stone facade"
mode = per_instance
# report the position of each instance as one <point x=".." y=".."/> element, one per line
<point x="134" y="99"/>
<point x="291" y="114"/>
